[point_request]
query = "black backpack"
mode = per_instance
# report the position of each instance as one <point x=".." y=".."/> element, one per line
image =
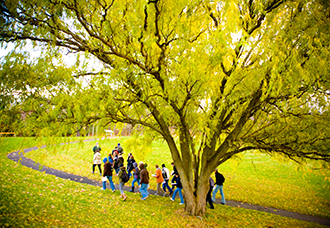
<point x="125" y="176"/>
<point x="115" y="166"/>
<point x="222" y="179"/>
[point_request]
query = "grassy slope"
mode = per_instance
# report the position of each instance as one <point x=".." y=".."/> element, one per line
<point x="257" y="179"/>
<point x="31" y="198"/>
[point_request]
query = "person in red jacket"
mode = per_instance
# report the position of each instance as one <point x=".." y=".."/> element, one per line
<point x="160" y="180"/>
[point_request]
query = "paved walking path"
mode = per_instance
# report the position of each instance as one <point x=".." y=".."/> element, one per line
<point x="19" y="156"/>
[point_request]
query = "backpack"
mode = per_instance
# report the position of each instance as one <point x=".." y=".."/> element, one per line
<point x="125" y="176"/>
<point x="164" y="174"/>
<point x="222" y="178"/>
<point x="115" y="166"/>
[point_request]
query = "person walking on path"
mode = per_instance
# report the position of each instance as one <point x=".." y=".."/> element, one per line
<point x="136" y="175"/>
<point x="115" y="152"/>
<point x="219" y="180"/>
<point x="160" y="180"/>
<point x="174" y="174"/>
<point x="208" y="196"/>
<point x="144" y="174"/>
<point x="166" y="176"/>
<point x="120" y="161"/>
<point x="120" y="149"/>
<point x="115" y="163"/>
<point x="122" y="169"/>
<point x="130" y="161"/>
<point x="97" y="161"/>
<point x="178" y="189"/>
<point x="96" y="148"/>
<point x="107" y="172"/>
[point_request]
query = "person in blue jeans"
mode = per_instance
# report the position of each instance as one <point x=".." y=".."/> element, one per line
<point x="219" y="179"/>
<point x="107" y="172"/>
<point x="144" y="175"/>
<point x="166" y="176"/>
<point x="122" y="169"/>
<point x="178" y="189"/>
<point x="135" y="175"/>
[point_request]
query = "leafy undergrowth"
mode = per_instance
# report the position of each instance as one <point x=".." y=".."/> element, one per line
<point x="256" y="179"/>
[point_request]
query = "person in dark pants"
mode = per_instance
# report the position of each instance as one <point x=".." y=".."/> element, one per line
<point x="208" y="196"/>
<point x="136" y="175"/>
<point x="97" y="161"/>
<point x="130" y="161"/>
<point x="174" y="174"/>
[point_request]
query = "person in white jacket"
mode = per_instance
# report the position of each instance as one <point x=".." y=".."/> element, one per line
<point x="166" y="176"/>
<point x="97" y="161"/>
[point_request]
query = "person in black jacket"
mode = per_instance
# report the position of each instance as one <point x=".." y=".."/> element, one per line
<point x="130" y="161"/>
<point x="174" y="174"/>
<point x="178" y="189"/>
<point x="219" y="179"/>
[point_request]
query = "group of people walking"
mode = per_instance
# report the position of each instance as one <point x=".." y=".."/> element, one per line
<point x="140" y="175"/>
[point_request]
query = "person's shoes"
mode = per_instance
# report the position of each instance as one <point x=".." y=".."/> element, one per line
<point x="211" y="207"/>
<point x="172" y="199"/>
<point x="181" y="203"/>
<point x="100" y="174"/>
<point x="223" y="203"/>
<point x="124" y="197"/>
<point x="213" y="200"/>
<point x="113" y="190"/>
<point x="92" y="172"/>
<point x="156" y="194"/>
<point x="102" y="189"/>
<point x="145" y="198"/>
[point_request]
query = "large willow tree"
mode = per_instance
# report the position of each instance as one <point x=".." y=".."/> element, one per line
<point x="212" y="78"/>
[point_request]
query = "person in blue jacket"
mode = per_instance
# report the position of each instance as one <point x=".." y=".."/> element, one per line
<point x="178" y="189"/>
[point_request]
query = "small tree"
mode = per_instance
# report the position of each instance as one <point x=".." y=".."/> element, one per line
<point x="212" y="78"/>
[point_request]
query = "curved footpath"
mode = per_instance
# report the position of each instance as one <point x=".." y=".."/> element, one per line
<point x="18" y="156"/>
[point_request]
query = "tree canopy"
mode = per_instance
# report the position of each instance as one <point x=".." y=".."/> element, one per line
<point x="212" y="78"/>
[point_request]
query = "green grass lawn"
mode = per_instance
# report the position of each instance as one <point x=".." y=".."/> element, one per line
<point x="32" y="198"/>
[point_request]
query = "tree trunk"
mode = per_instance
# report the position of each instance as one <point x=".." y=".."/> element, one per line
<point x="195" y="201"/>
